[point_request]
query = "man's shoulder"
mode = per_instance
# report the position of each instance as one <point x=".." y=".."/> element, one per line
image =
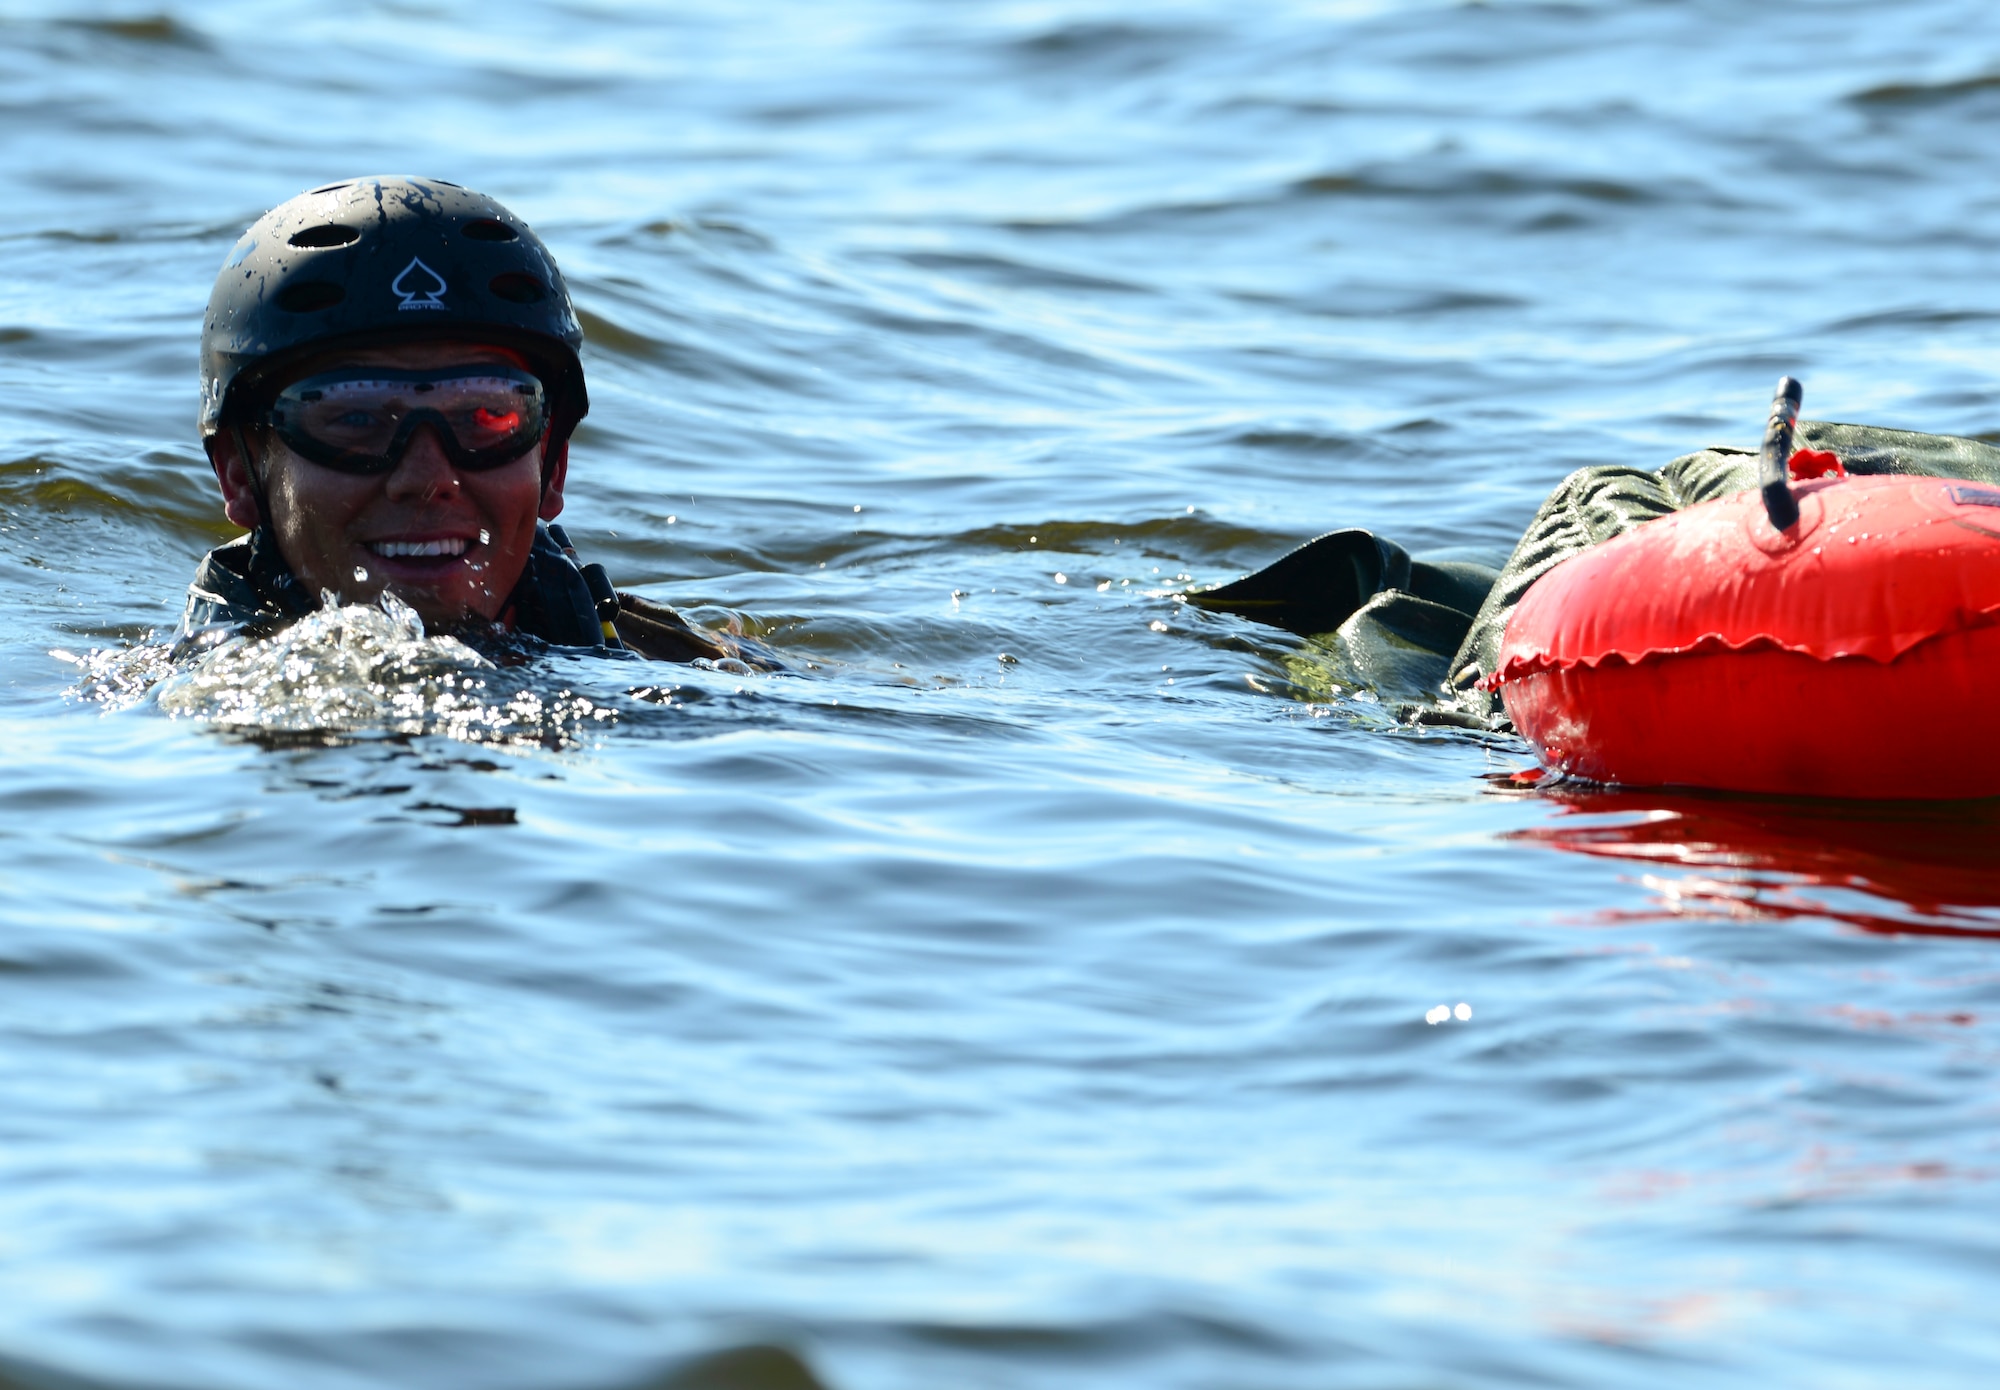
<point x="1866" y="449"/>
<point x="233" y="588"/>
<point x="1874" y="449"/>
<point x="222" y="591"/>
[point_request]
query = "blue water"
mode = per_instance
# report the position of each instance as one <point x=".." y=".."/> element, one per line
<point x="1031" y="990"/>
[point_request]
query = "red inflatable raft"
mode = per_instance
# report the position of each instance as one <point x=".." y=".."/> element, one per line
<point x="1854" y="653"/>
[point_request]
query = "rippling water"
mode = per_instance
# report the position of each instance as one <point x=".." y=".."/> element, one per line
<point x="1031" y="990"/>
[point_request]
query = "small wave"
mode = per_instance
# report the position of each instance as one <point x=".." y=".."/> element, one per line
<point x="20" y="1374"/>
<point x="1580" y="199"/>
<point x="1908" y="318"/>
<point x="1149" y="1332"/>
<point x="1092" y="41"/>
<point x="746" y="362"/>
<point x="344" y="669"/>
<point x="148" y="232"/>
<point x="151" y="28"/>
<point x="1018" y="273"/>
<point x="160" y="488"/>
<point x="1484" y="183"/>
<point x="697" y="227"/>
<point x="1925" y="93"/>
<point x="1302" y="441"/>
<point x="1175" y="533"/>
<point x="752" y="1367"/>
<point x="1409" y="302"/>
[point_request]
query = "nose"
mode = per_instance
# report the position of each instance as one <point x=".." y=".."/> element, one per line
<point x="424" y="472"/>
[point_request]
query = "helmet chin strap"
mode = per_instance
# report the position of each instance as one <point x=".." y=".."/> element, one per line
<point x="250" y="471"/>
<point x="555" y="449"/>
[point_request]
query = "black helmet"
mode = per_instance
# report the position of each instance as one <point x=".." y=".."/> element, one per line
<point x="377" y="258"/>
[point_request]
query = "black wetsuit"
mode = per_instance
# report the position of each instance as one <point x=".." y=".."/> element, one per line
<point x="1422" y="635"/>
<point x="246" y="586"/>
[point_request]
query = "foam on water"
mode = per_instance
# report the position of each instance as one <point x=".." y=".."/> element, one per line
<point x="344" y="668"/>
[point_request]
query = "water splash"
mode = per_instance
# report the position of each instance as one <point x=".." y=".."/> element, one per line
<point x="347" y="668"/>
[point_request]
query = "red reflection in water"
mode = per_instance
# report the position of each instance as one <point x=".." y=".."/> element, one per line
<point x="1939" y="861"/>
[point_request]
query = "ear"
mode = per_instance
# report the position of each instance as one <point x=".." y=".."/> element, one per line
<point x="552" y="485"/>
<point x="232" y="472"/>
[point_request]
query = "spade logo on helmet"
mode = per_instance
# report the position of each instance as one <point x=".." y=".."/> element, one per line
<point x="419" y="287"/>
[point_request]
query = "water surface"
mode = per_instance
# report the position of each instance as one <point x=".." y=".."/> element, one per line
<point x="1031" y="990"/>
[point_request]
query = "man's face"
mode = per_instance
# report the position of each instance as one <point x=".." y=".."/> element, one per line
<point x="451" y="544"/>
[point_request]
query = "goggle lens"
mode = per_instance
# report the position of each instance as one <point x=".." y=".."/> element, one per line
<point x="362" y="421"/>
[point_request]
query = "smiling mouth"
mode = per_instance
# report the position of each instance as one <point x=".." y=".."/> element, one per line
<point x="419" y="550"/>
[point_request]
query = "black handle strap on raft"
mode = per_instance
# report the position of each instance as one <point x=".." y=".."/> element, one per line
<point x="1774" y="465"/>
<point x="603" y="597"/>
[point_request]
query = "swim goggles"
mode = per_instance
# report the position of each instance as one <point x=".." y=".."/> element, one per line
<point x="362" y="420"/>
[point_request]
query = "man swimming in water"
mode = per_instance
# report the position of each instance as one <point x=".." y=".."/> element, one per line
<point x="1423" y="634"/>
<point x="390" y="380"/>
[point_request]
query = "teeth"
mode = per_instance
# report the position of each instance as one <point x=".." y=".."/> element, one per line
<point x="400" y="550"/>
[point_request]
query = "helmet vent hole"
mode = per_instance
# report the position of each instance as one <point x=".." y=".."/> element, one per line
<point x="517" y="288"/>
<point x="326" y="234"/>
<point x="489" y="229"/>
<point x="326" y="188"/>
<point x="309" y="296"/>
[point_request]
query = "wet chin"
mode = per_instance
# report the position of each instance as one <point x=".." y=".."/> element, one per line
<point x="455" y="592"/>
<point x="444" y="599"/>
<point x="446" y="603"/>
